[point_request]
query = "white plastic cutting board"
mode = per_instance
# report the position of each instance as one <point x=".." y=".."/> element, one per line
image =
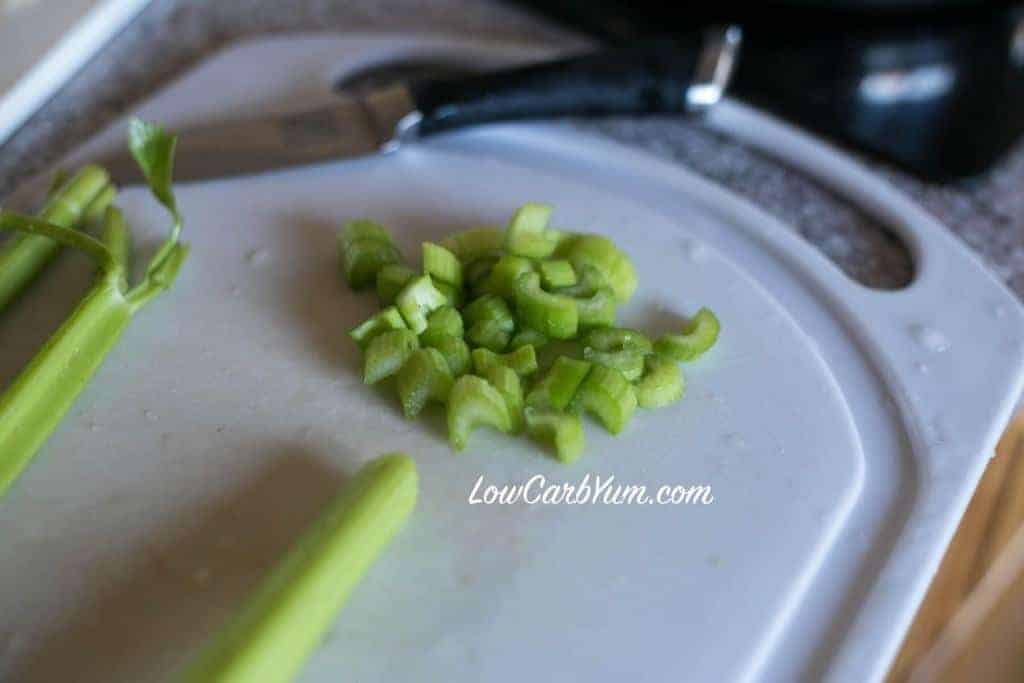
<point x="842" y="429"/>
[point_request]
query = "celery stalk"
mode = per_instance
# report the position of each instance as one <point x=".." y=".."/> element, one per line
<point x="270" y="639"/>
<point x="46" y="389"/>
<point x="37" y="400"/>
<point x="25" y="256"/>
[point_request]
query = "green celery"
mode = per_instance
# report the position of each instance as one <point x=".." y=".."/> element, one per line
<point x="563" y="430"/>
<point x="629" y="363"/>
<point x="618" y="339"/>
<point x="490" y="322"/>
<point x="523" y="361"/>
<point x="364" y="258"/>
<point x="277" y="629"/>
<point x="662" y="383"/>
<point x="441" y="265"/>
<point x="365" y="247"/>
<point x="452" y="294"/>
<point x="553" y="315"/>
<point x="424" y="377"/>
<point x="528" y="235"/>
<point x="609" y="396"/>
<point x="506" y="381"/>
<point x="363" y="229"/>
<point x="417" y="300"/>
<point x="558" y="387"/>
<point x="37" y="400"/>
<point x="613" y="265"/>
<point x="391" y="279"/>
<point x="618" y="347"/>
<point x="493" y="334"/>
<point x="475" y="243"/>
<point x="505" y="274"/>
<point x="699" y="335"/>
<point x="384" y="321"/>
<point x="525" y="336"/>
<point x="386" y="353"/>
<point x="489" y="307"/>
<point x="455" y="351"/>
<point x="24" y="256"/>
<point x="596" y="310"/>
<point x="557" y="273"/>
<point x="473" y="402"/>
<point x="444" y="321"/>
<point x="595" y="301"/>
<point x="96" y="212"/>
<point x="477" y="272"/>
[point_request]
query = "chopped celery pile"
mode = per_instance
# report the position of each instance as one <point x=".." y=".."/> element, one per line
<point x="515" y="329"/>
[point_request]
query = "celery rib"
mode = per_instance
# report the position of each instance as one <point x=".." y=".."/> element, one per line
<point x="40" y="396"/>
<point x="270" y="639"/>
<point x="24" y="257"/>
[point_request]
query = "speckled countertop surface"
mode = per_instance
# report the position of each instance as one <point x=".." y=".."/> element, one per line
<point x="987" y="213"/>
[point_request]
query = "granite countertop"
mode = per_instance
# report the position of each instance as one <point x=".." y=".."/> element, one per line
<point x="171" y="35"/>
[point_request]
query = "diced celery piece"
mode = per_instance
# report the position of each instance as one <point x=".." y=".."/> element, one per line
<point x="505" y="274"/>
<point x="391" y="278"/>
<point x="489" y="307"/>
<point x="492" y="334"/>
<point x="506" y="381"/>
<point x="386" y="353"/>
<point x="363" y="258"/>
<point x="441" y="264"/>
<point x="473" y="402"/>
<point x="563" y="430"/>
<point x="618" y="339"/>
<point x="597" y="310"/>
<point x="609" y="396"/>
<point x="526" y="336"/>
<point x="553" y="315"/>
<point x="699" y="335"/>
<point x="527" y="233"/>
<point x="629" y="363"/>
<point x="662" y="383"/>
<point x="444" y="321"/>
<point x="475" y="243"/>
<point x="559" y="386"/>
<point x="363" y="229"/>
<point x="613" y="265"/>
<point x="455" y="352"/>
<point x="476" y="272"/>
<point x="522" y="361"/>
<point x="417" y="300"/>
<point x="383" y="321"/>
<point x="452" y="294"/>
<point x="424" y="377"/>
<point x="557" y="273"/>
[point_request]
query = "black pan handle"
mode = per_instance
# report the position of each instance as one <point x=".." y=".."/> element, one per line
<point x="686" y="75"/>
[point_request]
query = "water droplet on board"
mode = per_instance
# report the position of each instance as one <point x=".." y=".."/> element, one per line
<point x="695" y="251"/>
<point x="922" y="367"/>
<point x="257" y="257"/>
<point x="150" y="415"/>
<point x="930" y="338"/>
<point x="999" y="311"/>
